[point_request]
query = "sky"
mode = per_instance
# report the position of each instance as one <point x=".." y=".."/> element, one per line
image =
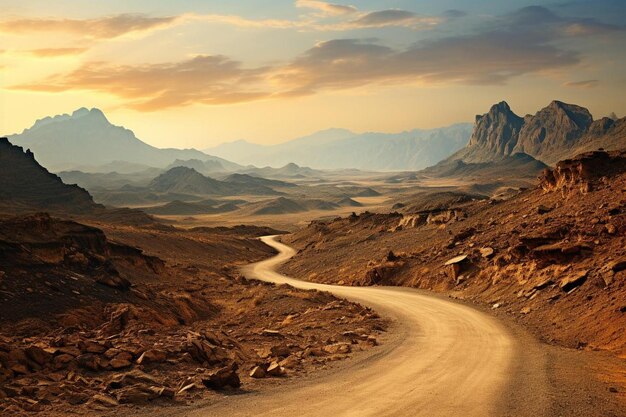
<point x="196" y="73"/>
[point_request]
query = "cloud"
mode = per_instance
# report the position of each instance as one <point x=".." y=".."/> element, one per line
<point x="100" y="28"/>
<point x="203" y="79"/>
<point x="55" y="52"/>
<point x="583" y="84"/>
<point x="393" y="17"/>
<point x="329" y="9"/>
<point x="528" y="41"/>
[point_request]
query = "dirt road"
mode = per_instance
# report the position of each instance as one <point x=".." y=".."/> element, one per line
<point x="447" y="359"/>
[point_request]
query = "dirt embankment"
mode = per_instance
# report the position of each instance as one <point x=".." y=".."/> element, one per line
<point x="553" y="257"/>
<point x="89" y="321"/>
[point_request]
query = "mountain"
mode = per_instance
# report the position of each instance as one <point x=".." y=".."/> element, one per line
<point x="552" y="129"/>
<point x="26" y="184"/>
<point x="339" y="149"/>
<point x="189" y="181"/>
<point x="246" y="179"/>
<point x="86" y="139"/>
<point x="557" y="131"/>
<point x="495" y="135"/>
<point x="210" y="166"/>
<point x="289" y="171"/>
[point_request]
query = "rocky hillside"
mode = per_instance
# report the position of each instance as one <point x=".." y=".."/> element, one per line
<point x="553" y="257"/>
<point x="26" y="184"/>
<point x="556" y="132"/>
<point x="89" y="322"/>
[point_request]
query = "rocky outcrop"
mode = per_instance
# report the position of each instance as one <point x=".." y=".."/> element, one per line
<point x="580" y="172"/>
<point x="26" y="184"/>
<point x="552" y="129"/>
<point x="495" y="135"/>
<point x="555" y="132"/>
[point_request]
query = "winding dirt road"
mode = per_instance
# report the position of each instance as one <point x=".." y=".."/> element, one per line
<point x="444" y="359"/>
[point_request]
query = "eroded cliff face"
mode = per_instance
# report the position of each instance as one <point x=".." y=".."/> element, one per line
<point x="495" y="134"/>
<point x="578" y="173"/>
<point x="555" y="127"/>
<point x="555" y="132"/>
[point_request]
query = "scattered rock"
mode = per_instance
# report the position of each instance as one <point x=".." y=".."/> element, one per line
<point x="274" y="369"/>
<point x="223" y="378"/>
<point x="152" y="356"/>
<point x="257" y="372"/>
<point x="573" y="281"/>
<point x="541" y="209"/>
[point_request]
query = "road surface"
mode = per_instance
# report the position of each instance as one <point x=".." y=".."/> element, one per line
<point x="444" y="359"/>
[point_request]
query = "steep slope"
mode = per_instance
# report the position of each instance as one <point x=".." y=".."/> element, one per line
<point x="340" y="149"/>
<point x="494" y="137"/>
<point x="86" y="139"/>
<point x="26" y="184"/>
<point x="553" y="129"/>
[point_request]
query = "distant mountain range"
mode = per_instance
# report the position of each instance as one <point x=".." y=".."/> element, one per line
<point x="340" y="149"/>
<point x="87" y="141"/>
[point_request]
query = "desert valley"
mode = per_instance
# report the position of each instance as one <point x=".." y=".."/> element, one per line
<point x="400" y="260"/>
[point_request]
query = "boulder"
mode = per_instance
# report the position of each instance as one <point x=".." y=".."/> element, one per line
<point x="152" y="356"/>
<point x="456" y="265"/>
<point x="222" y="378"/>
<point x="274" y="369"/>
<point x="37" y="355"/>
<point x="257" y="372"/>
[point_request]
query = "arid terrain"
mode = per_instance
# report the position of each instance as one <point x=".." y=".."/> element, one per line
<point x="104" y="311"/>
<point x="154" y="290"/>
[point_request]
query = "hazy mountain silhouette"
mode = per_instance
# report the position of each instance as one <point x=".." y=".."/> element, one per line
<point x="86" y="140"/>
<point x="340" y="148"/>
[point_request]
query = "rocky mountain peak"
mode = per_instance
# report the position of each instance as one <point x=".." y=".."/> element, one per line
<point x="94" y="115"/>
<point x="558" y="131"/>
<point x="495" y="133"/>
<point x="555" y="127"/>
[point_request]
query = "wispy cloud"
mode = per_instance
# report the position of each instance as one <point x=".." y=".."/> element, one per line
<point x="56" y="52"/>
<point x="384" y="18"/>
<point x="100" y="28"/>
<point x="203" y="79"/>
<point x="583" y="84"/>
<point x="329" y="9"/>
